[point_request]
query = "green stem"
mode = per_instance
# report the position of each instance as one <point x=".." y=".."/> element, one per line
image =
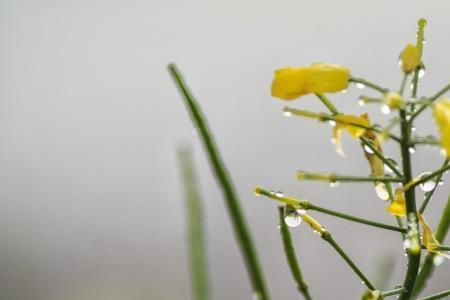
<point x="331" y="177"/>
<point x="326" y="235"/>
<point x="402" y="85"/>
<point x="430" y="193"/>
<point x="393" y="292"/>
<point x="413" y="256"/>
<point x="437" y="296"/>
<point x="198" y="261"/>
<point x="369" y="84"/>
<point x="327" y="117"/>
<point x="327" y="103"/>
<point x="386" y="161"/>
<point x="432" y="176"/>
<point x="428" y="266"/>
<point x="439" y="248"/>
<point x="444" y="90"/>
<point x="302" y="285"/>
<point x="232" y="202"/>
<point x="306" y="205"/>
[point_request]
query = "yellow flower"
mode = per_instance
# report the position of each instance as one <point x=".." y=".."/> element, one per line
<point x="428" y="239"/>
<point x="347" y="122"/>
<point x="398" y="206"/>
<point x="292" y="82"/>
<point x="441" y="112"/>
<point x="393" y="100"/>
<point x="410" y="58"/>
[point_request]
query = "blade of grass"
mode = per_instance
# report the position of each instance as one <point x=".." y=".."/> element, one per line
<point x="302" y="285"/>
<point x="197" y="252"/>
<point x="241" y="230"/>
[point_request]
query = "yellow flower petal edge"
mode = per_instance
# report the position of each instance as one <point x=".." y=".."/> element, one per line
<point x="409" y="58"/>
<point x="398" y="206"/>
<point x="347" y="123"/>
<point x="428" y="239"/>
<point x="292" y="82"/>
<point x="441" y="113"/>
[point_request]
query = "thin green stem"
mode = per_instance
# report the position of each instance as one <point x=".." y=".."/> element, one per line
<point x="428" y="266"/>
<point x="331" y="177"/>
<point x="413" y="256"/>
<point x="232" y="202"/>
<point x="198" y="261"/>
<point x="327" y="237"/>
<point x="369" y="84"/>
<point x="395" y="291"/>
<point x="327" y="103"/>
<point x="306" y="205"/>
<point x="386" y="161"/>
<point x="439" y="248"/>
<point x="292" y="261"/>
<point x="441" y="92"/>
<point x="354" y="219"/>
<point x="429" y="194"/>
<point x="437" y="296"/>
<point x="432" y="176"/>
<point x="403" y="83"/>
<point x="327" y="117"/>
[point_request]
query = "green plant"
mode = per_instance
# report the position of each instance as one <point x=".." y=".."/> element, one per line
<point x="392" y="183"/>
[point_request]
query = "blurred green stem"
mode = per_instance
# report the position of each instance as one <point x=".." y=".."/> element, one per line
<point x="198" y="260"/>
<point x="241" y="230"/>
<point x="302" y="285"/>
<point x="437" y="296"/>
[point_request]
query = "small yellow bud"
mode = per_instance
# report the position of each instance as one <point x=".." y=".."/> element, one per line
<point x="394" y="100"/>
<point x="292" y="82"/>
<point x="410" y="58"/>
<point x="398" y="206"/>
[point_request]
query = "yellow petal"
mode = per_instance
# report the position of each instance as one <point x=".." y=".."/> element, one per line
<point x="441" y="112"/>
<point x="347" y="122"/>
<point x="398" y="206"/>
<point x="394" y="100"/>
<point x="428" y="239"/>
<point x="292" y="82"/>
<point x="410" y="58"/>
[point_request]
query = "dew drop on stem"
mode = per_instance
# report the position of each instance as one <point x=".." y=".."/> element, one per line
<point x="291" y="216"/>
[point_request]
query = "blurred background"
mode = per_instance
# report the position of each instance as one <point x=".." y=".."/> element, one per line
<point x="91" y="199"/>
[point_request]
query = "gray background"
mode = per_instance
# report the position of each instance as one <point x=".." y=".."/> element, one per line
<point x="91" y="201"/>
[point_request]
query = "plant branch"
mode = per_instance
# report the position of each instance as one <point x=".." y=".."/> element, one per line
<point x="427" y="266"/>
<point x="331" y="177"/>
<point x="377" y="153"/>
<point x="306" y="205"/>
<point x="430" y="193"/>
<point x="395" y="291"/>
<point x="437" y="296"/>
<point x="369" y="84"/>
<point x="241" y="230"/>
<point x="302" y="285"/>
<point x="441" y="92"/>
<point x="327" y="103"/>
<point x="198" y="261"/>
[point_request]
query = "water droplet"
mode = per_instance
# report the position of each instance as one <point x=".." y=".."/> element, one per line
<point x="291" y="216"/>
<point x="411" y="86"/>
<point x="344" y="91"/>
<point x="360" y="85"/>
<point x="279" y="227"/>
<point x="427" y="185"/>
<point x="424" y="41"/>
<point x="301" y="211"/>
<point x="385" y="109"/>
<point x="438" y="259"/>
<point x="381" y="191"/>
<point x="407" y="243"/>
<point x="256" y="296"/>
<point x="441" y="182"/>
<point x="361" y="102"/>
<point x="279" y="194"/>
<point x="413" y="129"/>
<point x="334" y="183"/>
<point x="332" y="123"/>
<point x="421" y="72"/>
<point x="287" y="113"/>
<point x="367" y="149"/>
<point x="195" y="131"/>
<point x="443" y="152"/>
<point x="411" y="150"/>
